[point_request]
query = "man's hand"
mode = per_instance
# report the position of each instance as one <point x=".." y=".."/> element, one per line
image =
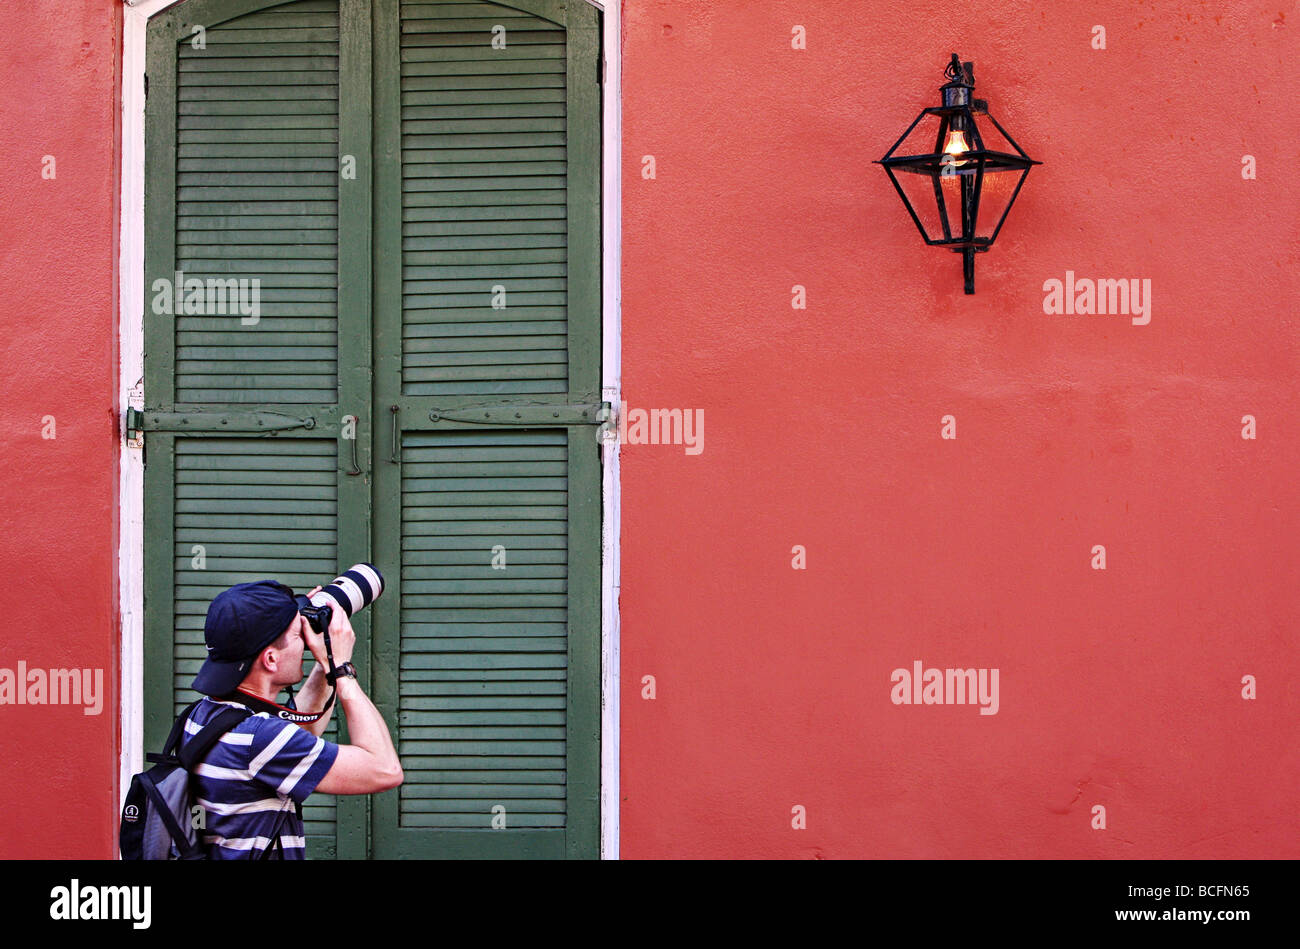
<point x="342" y="638"/>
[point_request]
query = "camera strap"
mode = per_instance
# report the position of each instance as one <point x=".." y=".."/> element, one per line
<point x="283" y="712"/>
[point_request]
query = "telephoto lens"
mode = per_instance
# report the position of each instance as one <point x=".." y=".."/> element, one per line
<point x="355" y="589"/>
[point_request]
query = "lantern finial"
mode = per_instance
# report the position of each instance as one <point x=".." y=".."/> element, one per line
<point x="959" y="72"/>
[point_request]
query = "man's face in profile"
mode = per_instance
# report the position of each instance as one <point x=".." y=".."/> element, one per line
<point x="289" y="667"/>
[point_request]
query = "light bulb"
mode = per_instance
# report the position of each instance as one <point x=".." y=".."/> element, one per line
<point x="956" y="144"/>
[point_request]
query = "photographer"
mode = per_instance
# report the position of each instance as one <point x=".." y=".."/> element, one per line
<point x="254" y="780"/>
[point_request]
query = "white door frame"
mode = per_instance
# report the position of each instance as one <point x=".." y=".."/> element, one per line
<point x="135" y="17"/>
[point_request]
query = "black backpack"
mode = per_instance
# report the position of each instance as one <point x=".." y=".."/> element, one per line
<point x="156" y="822"/>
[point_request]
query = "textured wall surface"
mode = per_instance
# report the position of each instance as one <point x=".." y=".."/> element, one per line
<point x="1119" y="687"/>
<point x="59" y="62"/>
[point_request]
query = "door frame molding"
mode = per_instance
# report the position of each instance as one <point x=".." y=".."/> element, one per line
<point x="130" y="313"/>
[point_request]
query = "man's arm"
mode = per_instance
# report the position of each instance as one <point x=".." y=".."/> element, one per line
<point x="370" y="763"/>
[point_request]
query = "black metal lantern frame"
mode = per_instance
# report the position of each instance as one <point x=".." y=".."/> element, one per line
<point x="969" y="181"/>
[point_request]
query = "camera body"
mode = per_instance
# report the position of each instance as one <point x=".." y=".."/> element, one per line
<point x="318" y="617"/>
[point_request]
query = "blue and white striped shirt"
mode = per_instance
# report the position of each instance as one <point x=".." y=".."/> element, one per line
<point x="254" y="772"/>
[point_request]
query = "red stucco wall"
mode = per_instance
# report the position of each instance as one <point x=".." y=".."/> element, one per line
<point x="59" y="64"/>
<point x="1119" y="688"/>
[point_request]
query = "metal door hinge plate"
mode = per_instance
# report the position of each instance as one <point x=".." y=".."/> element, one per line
<point x="138" y="420"/>
<point x="591" y="413"/>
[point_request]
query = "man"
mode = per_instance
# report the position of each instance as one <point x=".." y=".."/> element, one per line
<point x="256" y="774"/>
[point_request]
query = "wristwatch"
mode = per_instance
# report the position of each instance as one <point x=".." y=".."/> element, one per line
<point x="343" y="669"/>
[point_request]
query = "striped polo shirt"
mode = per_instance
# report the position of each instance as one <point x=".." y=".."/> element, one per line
<point x="254" y="772"/>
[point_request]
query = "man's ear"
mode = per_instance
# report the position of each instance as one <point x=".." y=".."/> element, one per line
<point x="269" y="658"/>
<point x="270" y="655"/>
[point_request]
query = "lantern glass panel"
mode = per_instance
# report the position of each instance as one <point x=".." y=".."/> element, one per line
<point x="951" y="188"/>
<point x="923" y="139"/>
<point x="919" y="191"/>
<point x="995" y="198"/>
<point x="994" y="141"/>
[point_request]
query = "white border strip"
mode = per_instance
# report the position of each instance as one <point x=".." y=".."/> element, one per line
<point x="611" y="388"/>
<point x="135" y="17"/>
<point x="130" y="389"/>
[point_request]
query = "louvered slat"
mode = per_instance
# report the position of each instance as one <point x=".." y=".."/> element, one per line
<point x="483" y="201"/>
<point x="257" y="177"/>
<point x="483" y="662"/>
<point x="258" y="508"/>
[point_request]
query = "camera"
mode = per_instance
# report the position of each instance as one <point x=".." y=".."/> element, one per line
<point x="355" y="589"/>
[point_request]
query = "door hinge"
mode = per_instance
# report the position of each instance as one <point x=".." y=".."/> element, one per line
<point x="138" y="421"/>
<point x="134" y="426"/>
<point x="579" y="414"/>
<point x="608" y="421"/>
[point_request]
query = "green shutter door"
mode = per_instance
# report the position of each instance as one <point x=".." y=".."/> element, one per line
<point x="487" y="506"/>
<point x="246" y="475"/>
<point x="484" y="352"/>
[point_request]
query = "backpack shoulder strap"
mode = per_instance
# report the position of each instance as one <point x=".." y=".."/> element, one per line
<point x="173" y="737"/>
<point x="278" y="844"/>
<point x="196" y="749"/>
<point x="164" y="812"/>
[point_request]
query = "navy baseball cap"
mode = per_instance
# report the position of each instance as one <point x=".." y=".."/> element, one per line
<point x="241" y="622"/>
